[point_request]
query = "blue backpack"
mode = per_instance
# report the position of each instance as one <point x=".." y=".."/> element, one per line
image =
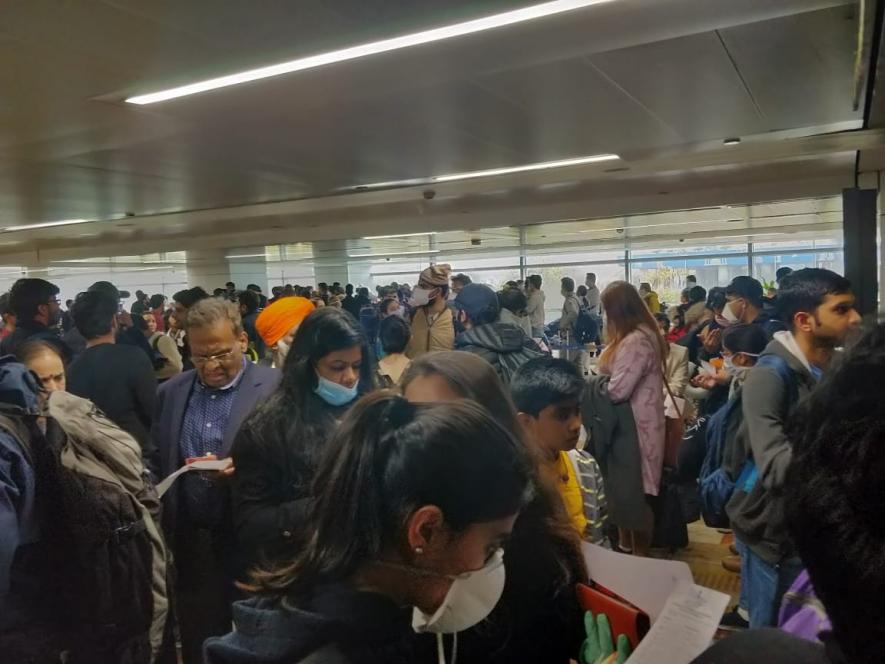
<point x="715" y="487"/>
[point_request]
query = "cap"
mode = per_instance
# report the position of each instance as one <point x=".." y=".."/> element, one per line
<point x="476" y="300"/>
<point x="277" y="319"/>
<point x="109" y="288"/>
<point x="438" y="275"/>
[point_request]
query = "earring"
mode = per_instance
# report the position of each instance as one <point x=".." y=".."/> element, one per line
<point x="419" y="550"/>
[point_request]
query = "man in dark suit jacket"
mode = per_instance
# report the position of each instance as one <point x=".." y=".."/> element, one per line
<point x="197" y="415"/>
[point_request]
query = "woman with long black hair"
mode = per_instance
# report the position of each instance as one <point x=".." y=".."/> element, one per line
<point x="407" y="534"/>
<point x="277" y="449"/>
<point x="538" y="618"/>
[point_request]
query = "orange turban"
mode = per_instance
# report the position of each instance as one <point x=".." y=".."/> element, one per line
<point x="276" y="320"/>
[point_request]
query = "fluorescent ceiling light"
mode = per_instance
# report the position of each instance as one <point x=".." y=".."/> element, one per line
<point x="544" y="165"/>
<point x="46" y="224"/>
<point x="386" y="237"/>
<point x="399" y="253"/>
<point x="373" y="48"/>
<point x="248" y="256"/>
<point x="524" y="168"/>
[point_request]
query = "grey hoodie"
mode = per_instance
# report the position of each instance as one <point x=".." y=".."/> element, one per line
<point x="757" y="517"/>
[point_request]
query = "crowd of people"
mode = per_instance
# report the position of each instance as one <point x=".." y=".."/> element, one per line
<point x="398" y="466"/>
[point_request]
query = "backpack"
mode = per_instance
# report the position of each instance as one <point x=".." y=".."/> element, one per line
<point x="586" y="327"/>
<point x="101" y="527"/>
<point x="157" y="358"/>
<point x="715" y="487"/>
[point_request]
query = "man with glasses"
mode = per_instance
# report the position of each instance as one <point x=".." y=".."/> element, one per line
<point x="37" y="309"/>
<point x="197" y="416"/>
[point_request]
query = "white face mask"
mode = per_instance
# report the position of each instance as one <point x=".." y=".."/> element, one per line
<point x="282" y="349"/>
<point x="420" y="297"/>
<point x="469" y="601"/>
<point x="728" y="313"/>
<point x="732" y="369"/>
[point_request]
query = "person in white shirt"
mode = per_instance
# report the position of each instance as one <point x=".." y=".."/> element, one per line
<point x="593" y="295"/>
<point x="535" y="305"/>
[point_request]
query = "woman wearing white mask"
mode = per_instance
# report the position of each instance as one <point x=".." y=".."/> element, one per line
<point x="277" y="449"/>
<point x="407" y="536"/>
<point x="277" y="325"/>
<point x="433" y="325"/>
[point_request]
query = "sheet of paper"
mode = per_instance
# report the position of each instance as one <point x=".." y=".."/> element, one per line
<point x="671" y="410"/>
<point x="644" y="582"/>
<point x="707" y="368"/>
<point x="685" y="627"/>
<point x="206" y="464"/>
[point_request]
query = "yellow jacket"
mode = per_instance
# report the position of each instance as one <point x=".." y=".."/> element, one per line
<point x="653" y="303"/>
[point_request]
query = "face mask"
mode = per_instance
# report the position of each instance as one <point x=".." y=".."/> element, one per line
<point x="731" y="369"/>
<point x="420" y="297"/>
<point x="282" y="349"/>
<point x="469" y="601"/>
<point x="333" y="393"/>
<point x="728" y="313"/>
<point x="722" y="321"/>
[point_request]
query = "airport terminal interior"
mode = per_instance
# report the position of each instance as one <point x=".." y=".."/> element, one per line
<point x="627" y="186"/>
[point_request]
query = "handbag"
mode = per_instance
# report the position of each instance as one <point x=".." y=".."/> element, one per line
<point x="674" y="429"/>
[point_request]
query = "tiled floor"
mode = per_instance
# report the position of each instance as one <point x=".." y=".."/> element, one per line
<point x="706" y="548"/>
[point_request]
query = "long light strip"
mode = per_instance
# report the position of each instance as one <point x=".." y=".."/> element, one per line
<point x="387" y="237"/>
<point x="467" y="175"/>
<point x="544" y="165"/>
<point x="45" y="224"/>
<point x="373" y="48"/>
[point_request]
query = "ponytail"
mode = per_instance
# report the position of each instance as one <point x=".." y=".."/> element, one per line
<point x="387" y="459"/>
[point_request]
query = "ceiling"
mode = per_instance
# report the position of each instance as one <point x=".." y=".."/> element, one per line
<point x="659" y="82"/>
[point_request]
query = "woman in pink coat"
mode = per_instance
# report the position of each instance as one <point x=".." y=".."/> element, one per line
<point x="634" y="357"/>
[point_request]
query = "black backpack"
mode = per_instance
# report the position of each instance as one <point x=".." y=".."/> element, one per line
<point x="103" y="556"/>
<point x="586" y="327"/>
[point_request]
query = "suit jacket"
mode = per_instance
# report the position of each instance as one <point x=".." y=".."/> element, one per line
<point x="173" y="396"/>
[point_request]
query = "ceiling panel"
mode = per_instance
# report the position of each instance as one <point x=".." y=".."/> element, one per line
<point x="689" y="83"/>
<point x="788" y="61"/>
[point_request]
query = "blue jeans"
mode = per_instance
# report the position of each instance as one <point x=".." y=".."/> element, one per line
<point x="742" y="552"/>
<point x="763" y="586"/>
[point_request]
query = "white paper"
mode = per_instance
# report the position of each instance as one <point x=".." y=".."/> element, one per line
<point x="205" y="464"/>
<point x="685" y="627"/>
<point x="644" y="582"/>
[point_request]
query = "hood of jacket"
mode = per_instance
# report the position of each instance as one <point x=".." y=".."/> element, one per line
<point x="270" y="632"/>
<point x="497" y="337"/>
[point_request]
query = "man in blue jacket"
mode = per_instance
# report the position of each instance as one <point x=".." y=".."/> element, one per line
<point x="197" y="415"/>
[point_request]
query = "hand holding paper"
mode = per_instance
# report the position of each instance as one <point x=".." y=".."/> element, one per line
<point x="224" y="467"/>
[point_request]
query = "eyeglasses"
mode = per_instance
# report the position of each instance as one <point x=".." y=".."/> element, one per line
<point x="221" y="358"/>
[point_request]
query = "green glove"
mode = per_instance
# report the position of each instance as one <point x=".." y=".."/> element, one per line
<point x="598" y="647"/>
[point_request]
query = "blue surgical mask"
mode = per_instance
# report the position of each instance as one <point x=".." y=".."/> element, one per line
<point x="333" y="393"/>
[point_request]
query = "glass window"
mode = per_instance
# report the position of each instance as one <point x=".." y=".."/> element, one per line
<point x="667" y="277"/>
<point x="551" y="276"/>
<point x="766" y="266"/>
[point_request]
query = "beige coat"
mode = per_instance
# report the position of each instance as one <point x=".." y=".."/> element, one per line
<point x="426" y="338"/>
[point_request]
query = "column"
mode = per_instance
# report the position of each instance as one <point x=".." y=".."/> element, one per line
<point x="330" y="261"/>
<point x="859" y="211"/>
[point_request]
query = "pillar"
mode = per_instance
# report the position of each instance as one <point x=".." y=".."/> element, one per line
<point x="330" y="261"/>
<point x="859" y="237"/>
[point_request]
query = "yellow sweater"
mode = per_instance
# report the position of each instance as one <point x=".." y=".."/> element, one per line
<point x="439" y="335"/>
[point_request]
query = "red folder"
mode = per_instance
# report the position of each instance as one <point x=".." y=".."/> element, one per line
<point x="623" y="617"/>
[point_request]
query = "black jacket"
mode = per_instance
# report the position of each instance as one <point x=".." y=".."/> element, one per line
<point x="32" y="331"/>
<point x="503" y="345"/>
<point x="271" y="489"/>
<point x="335" y="624"/>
